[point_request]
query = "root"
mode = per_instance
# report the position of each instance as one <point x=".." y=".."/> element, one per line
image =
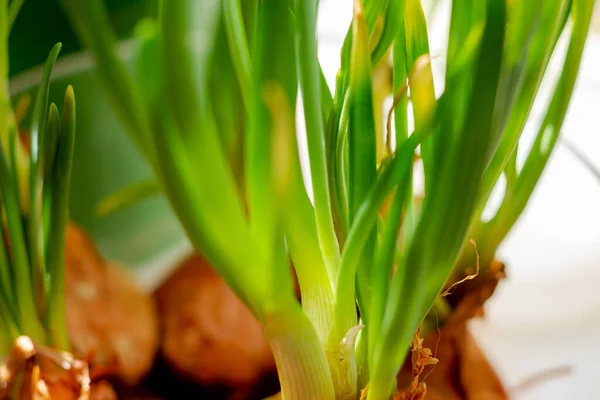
<point x="437" y="343"/>
<point x="466" y="278"/>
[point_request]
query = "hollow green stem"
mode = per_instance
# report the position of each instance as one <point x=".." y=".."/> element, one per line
<point x="303" y="243"/>
<point x="301" y="361"/>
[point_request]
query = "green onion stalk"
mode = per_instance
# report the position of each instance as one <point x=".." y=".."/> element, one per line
<point x="34" y="192"/>
<point x="212" y="106"/>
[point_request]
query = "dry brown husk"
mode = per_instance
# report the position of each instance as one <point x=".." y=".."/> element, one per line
<point x="112" y="326"/>
<point x="463" y="371"/>
<point x="32" y="372"/>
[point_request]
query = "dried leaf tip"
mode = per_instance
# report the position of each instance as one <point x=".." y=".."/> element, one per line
<point x="468" y="277"/>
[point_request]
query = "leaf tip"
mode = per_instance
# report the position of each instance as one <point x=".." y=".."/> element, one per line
<point x="70" y="92"/>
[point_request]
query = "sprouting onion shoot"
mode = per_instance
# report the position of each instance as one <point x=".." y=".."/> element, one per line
<point x="34" y="193"/>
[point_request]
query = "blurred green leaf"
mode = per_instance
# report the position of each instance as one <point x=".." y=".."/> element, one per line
<point x="127" y="196"/>
<point x="236" y="35"/>
<point x="548" y="133"/>
<point x="90" y="20"/>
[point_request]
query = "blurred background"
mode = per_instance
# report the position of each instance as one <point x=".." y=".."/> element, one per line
<point x="543" y="321"/>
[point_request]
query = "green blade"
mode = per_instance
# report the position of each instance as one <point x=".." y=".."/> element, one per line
<point x="394" y="20"/>
<point x="421" y="89"/>
<point x="538" y="51"/>
<point x="270" y="139"/>
<point x="7" y="283"/>
<point x="361" y="147"/>
<point x="310" y="82"/>
<point x="90" y="21"/>
<point x="538" y="56"/>
<point x="59" y="219"/>
<point x="37" y="149"/>
<point x="236" y="36"/>
<point x="395" y="174"/>
<point x="51" y="134"/>
<point x="388" y="247"/>
<point x="549" y="131"/>
<point x="128" y="196"/>
<point x="224" y="241"/>
<point x="28" y="321"/>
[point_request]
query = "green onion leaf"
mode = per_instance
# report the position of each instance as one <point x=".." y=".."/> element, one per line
<point x="310" y="82"/>
<point x="28" y="321"/>
<point x="128" y="196"/>
<point x="236" y="35"/>
<point x="37" y="147"/>
<point x="92" y="25"/>
<point x="514" y="204"/>
<point x="361" y="147"/>
<point x="422" y="92"/>
<point x="7" y="283"/>
<point x="202" y="210"/>
<point x="59" y="219"/>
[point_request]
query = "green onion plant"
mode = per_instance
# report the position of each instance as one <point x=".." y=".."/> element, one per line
<point x="34" y="192"/>
<point x="212" y="106"/>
